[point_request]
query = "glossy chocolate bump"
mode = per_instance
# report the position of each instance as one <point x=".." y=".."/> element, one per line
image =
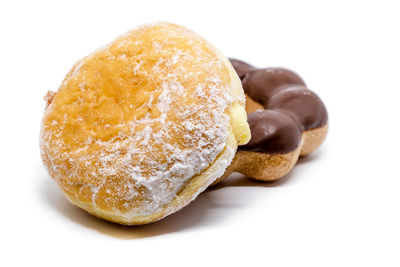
<point x="290" y="108"/>
<point x="272" y="132"/>
<point x="261" y="84"/>
<point x="302" y="104"/>
<point x="241" y="67"/>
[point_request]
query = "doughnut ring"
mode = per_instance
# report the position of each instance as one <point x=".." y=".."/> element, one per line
<point x="286" y="120"/>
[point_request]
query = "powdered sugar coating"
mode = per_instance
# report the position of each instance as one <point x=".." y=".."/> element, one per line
<point x="135" y="163"/>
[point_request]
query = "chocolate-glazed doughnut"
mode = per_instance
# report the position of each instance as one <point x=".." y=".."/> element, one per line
<point x="286" y="119"/>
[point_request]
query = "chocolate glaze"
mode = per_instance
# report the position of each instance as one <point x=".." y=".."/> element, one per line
<point x="261" y="84"/>
<point x="290" y="108"/>
<point x="303" y="105"/>
<point x="272" y="132"/>
<point x="241" y="67"/>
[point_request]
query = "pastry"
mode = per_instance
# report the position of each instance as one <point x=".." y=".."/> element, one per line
<point x="286" y="119"/>
<point x="143" y="125"/>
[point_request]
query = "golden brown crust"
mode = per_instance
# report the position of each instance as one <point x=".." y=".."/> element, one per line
<point x="262" y="166"/>
<point x="266" y="167"/>
<point x="312" y="139"/>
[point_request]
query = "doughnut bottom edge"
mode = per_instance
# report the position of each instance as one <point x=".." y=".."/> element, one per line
<point x="312" y="139"/>
<point x="262" y="166"/>
<point x="270" y="167"/>
<point x="190" y="191"/>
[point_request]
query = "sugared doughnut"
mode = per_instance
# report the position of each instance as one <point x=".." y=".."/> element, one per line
<point x="286" y="120"/>
<point x="143" y="125"/>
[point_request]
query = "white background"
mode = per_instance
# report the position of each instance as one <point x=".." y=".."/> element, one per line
<point x="338" y="207"/>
